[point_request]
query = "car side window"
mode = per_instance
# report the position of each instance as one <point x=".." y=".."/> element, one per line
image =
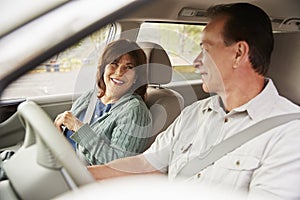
<point x="181" y="41"/>
<point x="68" y="72"/>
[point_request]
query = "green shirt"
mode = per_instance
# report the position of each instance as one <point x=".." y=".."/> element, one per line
<point x="123" y="131"/>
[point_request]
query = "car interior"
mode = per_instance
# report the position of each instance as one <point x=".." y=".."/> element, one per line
<point x="285" y="71"/>
<point x="41" y="164"/>
<point x="165" y="104"/>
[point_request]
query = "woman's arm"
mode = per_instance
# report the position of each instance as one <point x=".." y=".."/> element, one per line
<point x="69" y="118"/>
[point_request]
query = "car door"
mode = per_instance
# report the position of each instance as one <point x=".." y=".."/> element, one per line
<point x="38" y="61"/>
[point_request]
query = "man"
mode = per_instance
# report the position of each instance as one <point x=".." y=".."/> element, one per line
<point x="236" y="48"/>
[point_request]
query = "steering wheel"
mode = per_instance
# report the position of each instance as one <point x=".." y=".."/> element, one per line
<point x="53" y="151"/>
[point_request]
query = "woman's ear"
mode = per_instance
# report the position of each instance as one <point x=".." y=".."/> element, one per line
<point x="241" y="54"/>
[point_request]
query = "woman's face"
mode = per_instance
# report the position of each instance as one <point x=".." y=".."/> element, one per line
<point x="119" y="76"/>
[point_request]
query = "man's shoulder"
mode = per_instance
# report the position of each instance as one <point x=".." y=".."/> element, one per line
<point x="286" y="104"/>
<point x="279" y="103"/>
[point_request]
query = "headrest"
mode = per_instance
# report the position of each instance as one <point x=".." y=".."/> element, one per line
<point x="159" y="64"/>
<point x="285" y="65"/>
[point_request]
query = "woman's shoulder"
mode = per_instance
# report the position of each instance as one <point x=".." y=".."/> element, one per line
<point x="132" y="101"/>
<point x="83" y="99"/>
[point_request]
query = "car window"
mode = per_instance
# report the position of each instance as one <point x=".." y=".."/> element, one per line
<point x="67" y="72"/>
<point x="181" y="41"/>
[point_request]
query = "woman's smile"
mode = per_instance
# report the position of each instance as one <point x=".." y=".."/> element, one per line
<point x="117" y="81"/>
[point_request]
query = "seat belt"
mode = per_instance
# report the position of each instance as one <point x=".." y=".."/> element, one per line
<point x="91" y="107"/>
<point x="218" y="151"/>
<point x="87" y="118"/>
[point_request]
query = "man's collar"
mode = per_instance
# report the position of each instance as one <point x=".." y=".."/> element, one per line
<point x="260" y="105"/>
<point x="256" y="107"/>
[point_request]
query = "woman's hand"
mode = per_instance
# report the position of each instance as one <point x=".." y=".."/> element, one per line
<point x="68" y="120"/>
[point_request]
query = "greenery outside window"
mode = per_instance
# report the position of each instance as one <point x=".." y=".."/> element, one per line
<point x="182" y="43"/>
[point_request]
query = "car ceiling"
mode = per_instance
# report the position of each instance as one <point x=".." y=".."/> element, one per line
<point x="279" y="9"/>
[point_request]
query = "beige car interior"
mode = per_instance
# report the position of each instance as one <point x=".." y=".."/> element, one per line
<point x="285" y="70"/>
<point x="164" y="104"/>
<point x="58" y="164"/>
<point x="46" y="153"/>
<point x="46" y="165"/>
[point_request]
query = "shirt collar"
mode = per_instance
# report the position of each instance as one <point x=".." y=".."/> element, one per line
<point x="260" y="105"/>
<point x="256" y="107"/>
<point x="213" y="104"/>
<point x="103" y="107"/>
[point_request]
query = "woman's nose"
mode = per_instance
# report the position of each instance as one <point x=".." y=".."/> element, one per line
<point x="120" y="70"/>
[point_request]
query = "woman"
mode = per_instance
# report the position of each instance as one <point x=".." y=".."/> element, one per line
<point x="121" y="122"/>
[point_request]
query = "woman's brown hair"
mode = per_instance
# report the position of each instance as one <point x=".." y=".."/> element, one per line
<point x="113" y="51"/>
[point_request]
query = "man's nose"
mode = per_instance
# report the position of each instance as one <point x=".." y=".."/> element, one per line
<point x="198" y="60"/>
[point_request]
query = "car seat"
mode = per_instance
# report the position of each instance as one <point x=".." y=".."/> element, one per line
<point x="284" y="67"/>
<point x="165" y="104"/>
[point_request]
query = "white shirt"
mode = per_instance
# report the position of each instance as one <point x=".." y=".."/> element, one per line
<point x="269" y="164"/>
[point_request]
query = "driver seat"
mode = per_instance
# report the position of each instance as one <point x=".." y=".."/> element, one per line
<point x="285" y="71"/>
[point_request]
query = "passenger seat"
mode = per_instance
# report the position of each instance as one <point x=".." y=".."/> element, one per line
<point x="164" y="104"/>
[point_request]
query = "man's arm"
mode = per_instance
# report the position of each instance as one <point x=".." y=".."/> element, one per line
<point x="135" y="165"/>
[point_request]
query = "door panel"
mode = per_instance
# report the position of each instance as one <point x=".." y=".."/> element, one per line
<point x="12" y="131"/>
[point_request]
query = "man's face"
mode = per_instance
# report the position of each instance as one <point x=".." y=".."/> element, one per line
<point x="215" y="61"/>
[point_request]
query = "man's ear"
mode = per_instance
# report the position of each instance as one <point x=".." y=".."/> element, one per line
<point x="241" y="53"/>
